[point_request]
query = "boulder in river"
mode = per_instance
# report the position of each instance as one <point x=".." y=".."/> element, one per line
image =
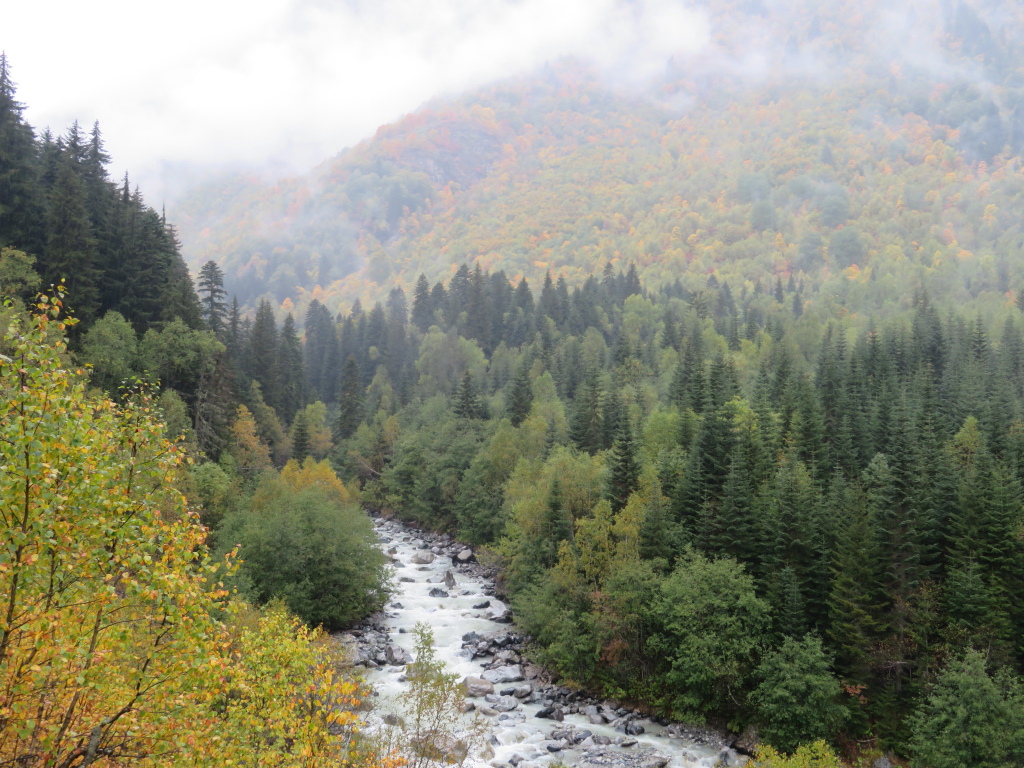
<point x="513" y="673"/>
<point x="477" y="686"/>
<point x="422" y="558"/>
<point x="438" y="592"/>
<point x="397" y="656"/>
<point x="465" y="556"/>
<point x="449" y="579"/>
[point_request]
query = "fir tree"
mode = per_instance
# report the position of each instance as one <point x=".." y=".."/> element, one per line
<point x="212" y="297"/>
<point x="350" y="400"/>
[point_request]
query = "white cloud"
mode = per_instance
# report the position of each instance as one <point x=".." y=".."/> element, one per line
<point x="289" y="82"/>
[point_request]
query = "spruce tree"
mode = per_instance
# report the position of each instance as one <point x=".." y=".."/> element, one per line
<point x="290" y="376"/>
<point x="21" y="205"/>
<point x="350" y="400"/>
<point x="520" y="397"/>
<point x="212" y="297"/>
<point x="300" y="437"/>
<point x="623" y="469"/>
<point x="467" y="402"/>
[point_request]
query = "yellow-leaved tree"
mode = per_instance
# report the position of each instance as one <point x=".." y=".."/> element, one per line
<point x="117" y="645"/>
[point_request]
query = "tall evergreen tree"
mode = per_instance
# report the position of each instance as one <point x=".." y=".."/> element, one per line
<point x="213" y="297"/>
<point x="290" y="376"/>
<point x="21" y="205"/>
<point x="351" y="396"/>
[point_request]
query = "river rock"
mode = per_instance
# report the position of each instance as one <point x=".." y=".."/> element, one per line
<point x="440" y="746"/>
<point x="513" y="673"/>
<point x="634" y="729"/>
<point x="747" y="741"/>
<point x="422" y="558"/>
<point x="481" y="606"/>
<point x="505" y="703"/>
<point x="465" y="556"/>
<point x="438" y="592"/>
<point x="730" y="758"/>
<point x="601" y="757"/>
<point x="477" y="686"/>
<point x="397" y="656"/>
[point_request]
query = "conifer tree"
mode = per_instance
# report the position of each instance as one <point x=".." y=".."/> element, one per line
<point x="212" y="297"/>
<point x="300" y="437"/>
<point x="21" y="205"/>
<point x="290" y="376"/>
<point x="261" y="358"/>
<point x="467" y="401"/>
<point x="350" y="400"/>
<point x="520" y="398"/>
<point x="623" y="469"/>
<point x="422" y="306"/>
<point x="70" y="243"/>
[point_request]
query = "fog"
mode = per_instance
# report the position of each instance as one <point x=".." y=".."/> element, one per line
<point x="182" y="88"/>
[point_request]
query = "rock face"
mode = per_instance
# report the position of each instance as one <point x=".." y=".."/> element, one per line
<point x="477" y="686"/>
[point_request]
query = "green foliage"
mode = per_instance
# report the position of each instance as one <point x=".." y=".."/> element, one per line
<point x="815" y="755"/>
<point x="796" y="700"/>
<point x="113" y="652"/>
<point x="970" y="718"/>
<point x="712" y="629"/>
<point x="303" y="547"/>
<point x="110" y="347"/>
<point x="431" y="727"/>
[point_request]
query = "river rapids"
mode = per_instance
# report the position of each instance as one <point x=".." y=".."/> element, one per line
<point x="528" y="722"/>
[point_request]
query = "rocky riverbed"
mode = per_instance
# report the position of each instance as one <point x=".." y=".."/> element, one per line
<point x="530" y="722"/>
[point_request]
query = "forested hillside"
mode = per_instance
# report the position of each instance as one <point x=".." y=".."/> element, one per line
<point x="841" y="145"/>
<point x="727" y="377"/>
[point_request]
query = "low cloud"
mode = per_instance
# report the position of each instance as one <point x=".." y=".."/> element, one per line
<point x="183" y="86"/>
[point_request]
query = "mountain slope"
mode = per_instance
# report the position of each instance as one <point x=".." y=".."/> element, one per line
<point x="838" y="146"/>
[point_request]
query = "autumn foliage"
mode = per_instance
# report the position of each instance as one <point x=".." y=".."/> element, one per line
<point x="117" y="644"/>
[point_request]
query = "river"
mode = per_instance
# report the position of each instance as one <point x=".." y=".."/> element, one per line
<point x="516" y="737"/>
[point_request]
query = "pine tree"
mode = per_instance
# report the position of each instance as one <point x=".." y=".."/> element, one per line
<point x="520" y="398"/>
<point x="300" y="437"/>
<point x="350" y="400"/>
<point x="467" y="402"/>
<point x="422" y="306"/>
<point x="212" y="297"/>
<point x="623" y="469"/>
<point x="70" y="243"/>
<point x="21" y="206"/>
<point x="290" y="376"/>
<point x="261" y="358"/>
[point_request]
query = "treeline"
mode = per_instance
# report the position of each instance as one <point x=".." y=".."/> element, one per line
<point x="712" y="502"/>
<point x="59" y="206"/>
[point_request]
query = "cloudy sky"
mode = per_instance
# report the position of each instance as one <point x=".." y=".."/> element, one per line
<point x="286" y="83"/>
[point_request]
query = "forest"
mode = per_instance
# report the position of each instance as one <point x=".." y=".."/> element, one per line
<point x="734" y="399"/>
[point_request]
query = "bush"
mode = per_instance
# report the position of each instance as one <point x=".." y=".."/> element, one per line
<point x="309" y="550"/>
<point x="797" y="698"/>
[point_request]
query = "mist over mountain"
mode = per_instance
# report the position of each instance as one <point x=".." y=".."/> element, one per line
<point x="792" y="122"/>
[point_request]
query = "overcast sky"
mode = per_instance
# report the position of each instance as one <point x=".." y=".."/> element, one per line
<point x="287" y="83"/>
